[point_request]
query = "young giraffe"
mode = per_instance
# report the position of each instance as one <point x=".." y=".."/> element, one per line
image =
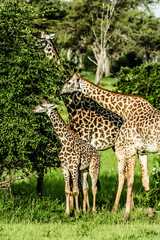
<point x="75" y="155"/>
<point x="140" y="131"/>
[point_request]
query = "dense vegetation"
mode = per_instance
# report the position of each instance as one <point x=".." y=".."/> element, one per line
<point x="26" y="78"/>
<point x="28" y="142"/>
<point x="143" y="80"/>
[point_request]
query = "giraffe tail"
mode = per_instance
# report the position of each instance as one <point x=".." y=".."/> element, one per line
<point x="98" y="185"/>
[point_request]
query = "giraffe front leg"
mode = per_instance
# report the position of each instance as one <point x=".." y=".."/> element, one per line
<point x="143" y="160"/>
<point x="76" y="194"/>
<point x="132" y="202"/>
<point x="71" y="200"/>
<point x="67" y="188"/>
<point x="75" y="176"/>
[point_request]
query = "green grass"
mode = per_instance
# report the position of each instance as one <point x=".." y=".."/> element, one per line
<point x="25" y="216"/>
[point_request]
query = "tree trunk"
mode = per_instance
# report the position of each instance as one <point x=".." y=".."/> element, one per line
<point x="107" y="67"/>
<point x="80" y="61"/>
<point x="40" y="172"/>
<point x="99" y="72"/>
<point x="69" y="54"/>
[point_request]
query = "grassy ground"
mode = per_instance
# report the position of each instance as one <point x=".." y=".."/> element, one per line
<point x="25" y="216"/>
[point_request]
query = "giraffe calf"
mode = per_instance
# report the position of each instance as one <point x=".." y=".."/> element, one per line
<point x="76" y="157"/>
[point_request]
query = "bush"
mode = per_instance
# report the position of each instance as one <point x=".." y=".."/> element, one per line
<point x="26" y="78"/>
<point x="129" y="60"/>
<point x="153" y="196"/>
<point x="143" y="80"/>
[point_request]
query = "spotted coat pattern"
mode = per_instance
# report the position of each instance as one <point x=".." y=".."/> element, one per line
<point x="94" y="124"/>
<point x="75" y="155"/>
<point x="139" y="133"/>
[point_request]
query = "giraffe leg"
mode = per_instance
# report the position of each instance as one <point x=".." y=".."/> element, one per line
<point x="76" y="194"/>
<point x="71" y="200"/>
<point x="75" y="176"/>
<point x="88" y="205"/>
<point x="132" y="202"/>
<point x="130" y="181"/>
<point x="143" y="160"/>
<point x="94" y="173"/>
<point x="84" y="181"/>
<point x="94" y="193"/>
<point x="67" y="188"/>
<point x="121" y="180"/>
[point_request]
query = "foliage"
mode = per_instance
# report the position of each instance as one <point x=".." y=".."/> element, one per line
<point x="26" y="78"/>
<point x="153" y="196"/>
<point x="142" y="80"/>
<point x="49" y="13"/>
<point x="129" y="60"/>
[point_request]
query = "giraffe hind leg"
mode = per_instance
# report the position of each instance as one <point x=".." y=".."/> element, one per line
<point x="143" y="160"/>
<point x="85" y="187"/>
<point x="121" y="180"/>
<point x="94" y="173"/>
<point x="130" y="181"/>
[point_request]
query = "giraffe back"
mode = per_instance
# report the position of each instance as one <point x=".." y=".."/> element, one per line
<point x="93" y="123"/>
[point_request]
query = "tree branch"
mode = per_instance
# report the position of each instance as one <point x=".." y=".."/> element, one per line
<point x="92" y="60"/>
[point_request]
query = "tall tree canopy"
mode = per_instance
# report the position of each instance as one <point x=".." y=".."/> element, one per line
<point x="110" y="28"/>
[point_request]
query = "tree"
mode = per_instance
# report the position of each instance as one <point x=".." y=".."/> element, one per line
<point x="109" y="27"/>
<point x="99" y="46"/>
<point x="28" y="142"/>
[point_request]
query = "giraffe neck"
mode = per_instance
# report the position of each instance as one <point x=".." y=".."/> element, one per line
<point x="59" y="125"/>
<point x="116" y="102"/>
<point x="51" y="52"/>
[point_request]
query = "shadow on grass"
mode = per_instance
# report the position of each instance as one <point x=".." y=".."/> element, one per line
<point x="24" y="204"/>
<point x="54" y="189"/>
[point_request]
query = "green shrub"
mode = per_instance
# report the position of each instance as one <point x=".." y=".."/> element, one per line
<point x="26" y="78"/>
<point x="153" y="196"/>
<point x="143" y="80"/>
<point x="129" y="60"/>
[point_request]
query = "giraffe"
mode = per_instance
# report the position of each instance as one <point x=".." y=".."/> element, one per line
<point x="88" y="118"/>
<point x="97" y="125"/>
<point x="75" y="155"/>
<point x="45" y="41"/>
<point x="139" y="132"/>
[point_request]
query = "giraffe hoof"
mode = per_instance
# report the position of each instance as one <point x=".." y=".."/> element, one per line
<point x="78" y="211"/>
<point x="67" y="213"/>
<point x="84" y="212"/>
<point x="93" y="212"/>
<point x="151" y="213"/>
<point x="126" y="216"/>
<point x="114" y="209"/>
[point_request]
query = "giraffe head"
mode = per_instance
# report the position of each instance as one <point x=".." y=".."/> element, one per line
<point x="72" y="85"/>
<point x="45" y="106"/>
<point x="44" y="38"/>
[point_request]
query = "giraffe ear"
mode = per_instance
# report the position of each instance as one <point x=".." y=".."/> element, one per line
<point x="75" y="70"/>
<point x="79" y="74"/>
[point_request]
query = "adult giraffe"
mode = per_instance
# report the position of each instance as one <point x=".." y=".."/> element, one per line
<point x="139" y="133"/>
